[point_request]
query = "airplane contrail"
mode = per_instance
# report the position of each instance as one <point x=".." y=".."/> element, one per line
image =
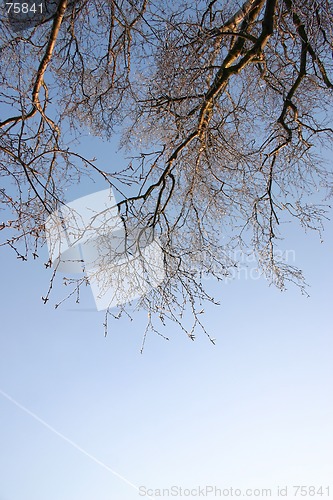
<point x="67" y="440"/>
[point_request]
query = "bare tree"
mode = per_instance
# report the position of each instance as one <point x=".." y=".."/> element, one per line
<point x="224" y="106"/>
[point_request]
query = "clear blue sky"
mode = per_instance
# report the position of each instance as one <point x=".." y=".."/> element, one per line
<point x="255" y="411"/>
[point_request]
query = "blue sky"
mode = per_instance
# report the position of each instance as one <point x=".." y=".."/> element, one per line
<point x="255" y="411"/>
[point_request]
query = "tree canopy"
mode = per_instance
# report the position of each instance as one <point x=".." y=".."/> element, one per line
<point x="224" y="107"/>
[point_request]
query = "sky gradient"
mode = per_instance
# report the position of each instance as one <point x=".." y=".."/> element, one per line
<point x="254" y="411"/>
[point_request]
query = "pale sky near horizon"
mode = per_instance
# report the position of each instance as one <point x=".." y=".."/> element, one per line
<point x="254" y="411"/>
